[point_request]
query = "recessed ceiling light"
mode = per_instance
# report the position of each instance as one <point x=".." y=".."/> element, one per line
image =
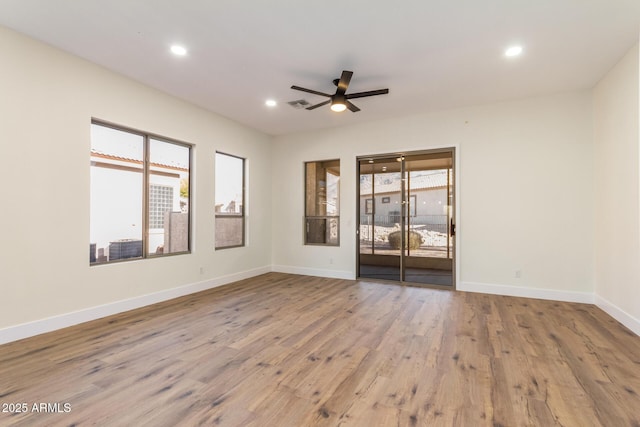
<point x="513" y="51"/>
<point x="270" y="103"/>
<point x="178" y="50"/>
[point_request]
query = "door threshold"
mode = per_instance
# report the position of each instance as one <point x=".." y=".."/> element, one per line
<point x="406" y="283"/>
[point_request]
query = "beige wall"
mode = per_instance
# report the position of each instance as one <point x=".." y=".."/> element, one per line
<point x="47" y="101"/>
<point x="525" y="190"/>
<point x="617" y="186"/>
<point x="526" y="198"/>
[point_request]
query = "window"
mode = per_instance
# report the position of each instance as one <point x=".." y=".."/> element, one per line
<point x="322" y="203"/>
<point x="368" y="207"/>
<point x="139" y="195"/>
<point x="230" y="206"/>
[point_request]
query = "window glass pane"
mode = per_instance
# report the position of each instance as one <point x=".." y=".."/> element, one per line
<point x="229" y="183"/>
<point x="229" y="231"/>
<point x="322" y="230"/>
<point x="333" y="193"/>
<point x="116" y="195"/>
<point x="429" y="210"/>
<point x="387" y="215"/>
<point x="229" y="201"/>
<point x="332" y="230"/>
<point x="168" y="219"/>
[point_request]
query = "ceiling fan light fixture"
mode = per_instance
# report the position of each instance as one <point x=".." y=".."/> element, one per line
<point x="338" y="103"/>
<point x="338" y="107"/>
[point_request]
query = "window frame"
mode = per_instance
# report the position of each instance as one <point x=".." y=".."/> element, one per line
<point x="146" y="170"/>
<point x="327" y="218"/>
<point x="243" y="213"/>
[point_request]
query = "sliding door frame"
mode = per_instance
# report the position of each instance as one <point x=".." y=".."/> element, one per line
<point x="455" y="213"/>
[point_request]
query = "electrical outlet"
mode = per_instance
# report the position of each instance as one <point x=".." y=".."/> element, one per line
<point x="201" y="270"/>
<point x="518" y="274"/>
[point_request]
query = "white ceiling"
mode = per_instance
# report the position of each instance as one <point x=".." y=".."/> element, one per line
<point x="431" y="54"/>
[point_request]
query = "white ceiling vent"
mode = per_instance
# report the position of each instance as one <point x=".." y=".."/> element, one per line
<point x="299" y="104"/>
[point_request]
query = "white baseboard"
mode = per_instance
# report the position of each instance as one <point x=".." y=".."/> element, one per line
<point x="29" y="329"/>
<point x="332" y="274"/>
<point x="620" y="315"/>
<point x="517" y="291"/>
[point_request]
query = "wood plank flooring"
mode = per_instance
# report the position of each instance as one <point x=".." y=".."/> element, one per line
<point x="286" y="350"/>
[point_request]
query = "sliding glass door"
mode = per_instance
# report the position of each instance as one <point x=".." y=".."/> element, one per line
<point x="405" y="223"/>
<point x="381" y="205"/>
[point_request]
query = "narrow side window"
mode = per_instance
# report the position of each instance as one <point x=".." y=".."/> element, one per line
<point x="229" y="201"/>
<point x="322" y="203"/>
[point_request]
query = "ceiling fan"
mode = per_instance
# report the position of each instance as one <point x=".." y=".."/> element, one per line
<point x="340" y="100"/>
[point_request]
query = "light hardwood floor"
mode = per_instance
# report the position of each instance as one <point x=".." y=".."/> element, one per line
<point x="285" y="350"/>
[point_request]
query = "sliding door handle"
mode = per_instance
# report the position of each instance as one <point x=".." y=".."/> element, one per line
<point x="452" y="228"/>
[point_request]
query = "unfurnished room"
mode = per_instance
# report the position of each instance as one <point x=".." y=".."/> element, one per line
<point x="338" y="213"/>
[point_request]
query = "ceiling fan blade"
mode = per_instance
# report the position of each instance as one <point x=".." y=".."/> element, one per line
<point x="368" y="93"/>
<point x="352" y="107"/>
<point x="343" y="84"/>
<point x="313" y="107"/>
<point x="315" y="92"/>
